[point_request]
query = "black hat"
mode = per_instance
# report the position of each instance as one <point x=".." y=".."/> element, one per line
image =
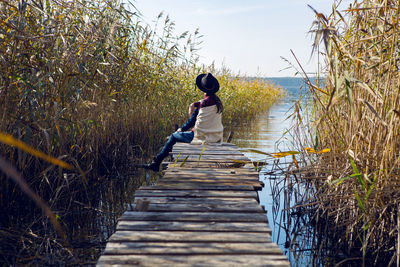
<point x="207" y="83"/>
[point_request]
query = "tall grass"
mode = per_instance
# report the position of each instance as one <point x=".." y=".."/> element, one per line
<point x="356" y="114"/>
<point x="89" y="83"/>
<point x="246" y="97"/>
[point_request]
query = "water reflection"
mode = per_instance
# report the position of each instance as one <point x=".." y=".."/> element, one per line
<point x="94" y="216"/>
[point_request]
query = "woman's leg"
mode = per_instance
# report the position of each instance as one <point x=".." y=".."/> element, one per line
<point x="185" y="137"/>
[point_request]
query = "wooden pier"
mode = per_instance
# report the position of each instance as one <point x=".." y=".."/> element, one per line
<point x="204" y="211"/>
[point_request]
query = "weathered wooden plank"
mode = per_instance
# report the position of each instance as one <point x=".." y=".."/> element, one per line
<point x="228" y="162"/>
<point x="199" y="183"/>
<point x="190" y="248"/>
<point x="222" y="145"/>
<point x="214" y="156"/>
<point x="199" y="175"/>
<point x="211" y="171"/>
<point x="235" y="206"/>
<point x="186" y="236"/>
<point x="180" y="145"/>
<point x="206" y="164"/>
<point x="219" y="170"/>
<point x="222" y="158"/>
<point x="261" y="227"/>
<point x="190" y="187"/>
<point x="211" y="204"/>
<point x="210" y="200"/>
<point x="201" y="171"/>
<point x="185" y="152"/>
<point x="200" y="208"/>
<point x="196" y="193"/>
<point x="185" y="177"/>
<point x="203" y="149"/>
<point x="207" y="149"/>
<point x="206" y="181"/>
<point x="211" y="152"/>
<point x="209" y="163"/>
<point x="197" y="260"/>
<point x="193" y="216"/>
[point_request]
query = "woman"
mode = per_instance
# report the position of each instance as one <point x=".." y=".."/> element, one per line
<point x="205" y="118"/>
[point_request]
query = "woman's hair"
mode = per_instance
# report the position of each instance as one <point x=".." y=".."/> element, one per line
<point x="218" y="102"/>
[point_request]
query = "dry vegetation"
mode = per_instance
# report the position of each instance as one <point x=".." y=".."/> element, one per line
<point x="89" y="83"/>
<point x="355" y="187"/>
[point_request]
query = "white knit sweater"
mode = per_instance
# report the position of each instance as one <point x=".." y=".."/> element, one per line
<point x="208" y="128"/>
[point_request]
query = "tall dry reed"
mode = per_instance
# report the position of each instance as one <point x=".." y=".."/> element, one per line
<point x="357" y="115"/>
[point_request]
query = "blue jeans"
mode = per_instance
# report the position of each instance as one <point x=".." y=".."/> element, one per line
<point x="185" y="137"/>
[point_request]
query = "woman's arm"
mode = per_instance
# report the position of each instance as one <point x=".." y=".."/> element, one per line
<point x="191" y="109"/>
<point x="192" y="120"/>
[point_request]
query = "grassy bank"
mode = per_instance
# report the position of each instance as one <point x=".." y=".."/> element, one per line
<point x="356" y="115"/>
<point x="89" y="83"/>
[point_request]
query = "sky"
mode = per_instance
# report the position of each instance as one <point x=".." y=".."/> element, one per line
<point x="248" y="37"/>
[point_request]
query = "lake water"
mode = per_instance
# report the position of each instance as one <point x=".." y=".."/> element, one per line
<point x="266" y="134"/>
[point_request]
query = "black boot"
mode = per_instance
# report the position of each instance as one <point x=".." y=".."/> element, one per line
<point x="153" y="165"/>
